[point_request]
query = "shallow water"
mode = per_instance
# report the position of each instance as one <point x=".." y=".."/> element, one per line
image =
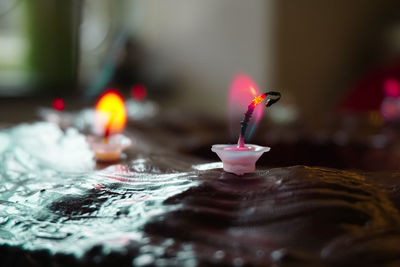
<point x="162" y="210"/>
<point x="72" y="212"/>
<point x="46" y="206"/>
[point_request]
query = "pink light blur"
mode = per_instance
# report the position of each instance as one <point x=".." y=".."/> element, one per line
<point x="138" y="92"/>
<point x="241" y="93"/>
<point x="390" y="109"/>
<point x="391" y="88"/>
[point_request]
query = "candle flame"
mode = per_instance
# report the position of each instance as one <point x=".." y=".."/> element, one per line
<point x="253" y="91"/>
<point x="110" y="114"/>
<point x="242" y="91"/>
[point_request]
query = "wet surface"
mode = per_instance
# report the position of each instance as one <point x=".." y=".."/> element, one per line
<point x="293" y="216"/>
<point x="164" y="210"/>
<point x="297" y="215"/>
<point x="72" y="213"/>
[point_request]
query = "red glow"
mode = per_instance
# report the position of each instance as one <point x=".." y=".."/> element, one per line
<point x="138" y="92"/>
<point x="58" y="104"/>
<point x="392" y="88"/>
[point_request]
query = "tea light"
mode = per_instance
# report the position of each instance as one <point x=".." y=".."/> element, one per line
<point x="241" y="158"/>
<point x="110" y="151"/>
<point x="110" y="121"/>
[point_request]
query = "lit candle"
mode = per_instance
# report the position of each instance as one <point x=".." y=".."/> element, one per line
<point x="110" y="121"/>
<point x="241" y="158"/>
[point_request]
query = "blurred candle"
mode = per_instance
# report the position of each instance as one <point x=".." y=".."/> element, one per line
<point x="110" y="120"/>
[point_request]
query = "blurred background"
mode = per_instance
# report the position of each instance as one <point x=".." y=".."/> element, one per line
<point x="336" y="63"/>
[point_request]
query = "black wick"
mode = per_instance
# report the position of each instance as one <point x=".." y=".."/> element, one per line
<point x="271" y="101"/>
<point x="247" y="116"/>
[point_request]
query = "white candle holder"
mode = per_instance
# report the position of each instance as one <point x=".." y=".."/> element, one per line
<point x="110" y="150"/>
<point x="239" y="160"/>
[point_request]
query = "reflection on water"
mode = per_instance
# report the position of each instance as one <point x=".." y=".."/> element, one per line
<point x="71" y="212"/>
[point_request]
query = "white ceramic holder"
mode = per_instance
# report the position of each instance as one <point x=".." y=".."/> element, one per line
<point x="239" y="160"/>
<point x="110" y="150"/>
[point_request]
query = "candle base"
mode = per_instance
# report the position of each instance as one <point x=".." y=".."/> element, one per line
<point x="239" y="169"/>
<point x="111" y="150"/>
<point x="102" y="156"/>
<point x="239" y="160"/>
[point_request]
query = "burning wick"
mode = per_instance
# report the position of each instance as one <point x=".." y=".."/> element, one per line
<point x="250" y="110"/>
<point x="240" y="159"/>
<point x="108" y="128"/>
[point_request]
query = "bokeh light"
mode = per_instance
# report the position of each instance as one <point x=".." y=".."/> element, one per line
<point x="138" y="92"/>
<point x="58" y="104"/>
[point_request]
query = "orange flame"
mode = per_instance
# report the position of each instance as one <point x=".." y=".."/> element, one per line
<point x="110" y="114"/>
